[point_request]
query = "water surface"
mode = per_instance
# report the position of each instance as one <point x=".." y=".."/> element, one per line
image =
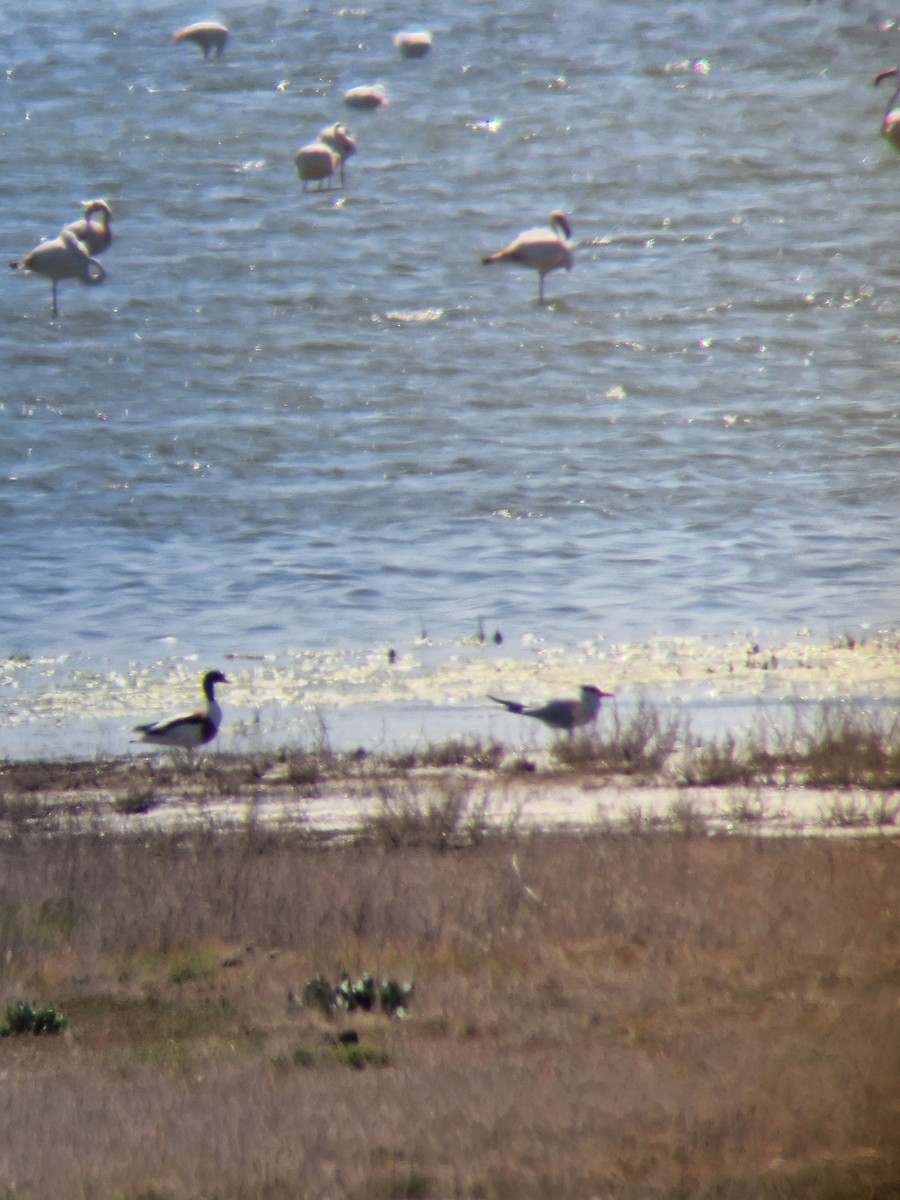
<point x="293" y="424"/>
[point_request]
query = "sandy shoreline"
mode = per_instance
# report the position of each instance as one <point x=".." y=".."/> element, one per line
<point x="149" y="795"/>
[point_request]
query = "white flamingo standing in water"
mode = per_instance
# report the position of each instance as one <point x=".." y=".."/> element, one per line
<point x="544" y="250"/>
<point x="413" y="43"/>
<point x="337" y="138"/>
<point x="93" y="230"/>
<point x="63" y="257"/>
<point x="316" y="162"/>
<point x="208" y="35"/>
<point x="368" y="98"/>
<point x="890" y="124"/>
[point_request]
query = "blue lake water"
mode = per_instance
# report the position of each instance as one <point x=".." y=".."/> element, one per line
<point x="296" y="424"/>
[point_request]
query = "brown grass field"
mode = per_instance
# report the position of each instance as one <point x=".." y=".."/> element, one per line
<point x="653" y="1012"/>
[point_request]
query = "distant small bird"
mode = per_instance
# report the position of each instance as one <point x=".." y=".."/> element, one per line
<point x="63" y="257"/>
<point x="413" y="43"/>
<point x="544" y="250"/>
<point x="94" y="234"/>
<point x="316" y="163"/>
<point x="365" y="97"/>
<point x="208" y="35"/>
<point x="337" y="138"/>
<point x="890" y="124"/>
<point x="193" y="729"/>
<point x="567" y="715"/>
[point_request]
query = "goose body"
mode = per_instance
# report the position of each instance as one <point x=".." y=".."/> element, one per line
<point x="337" y="138"/>
<point x="543" y="250"/>
<point x="63" y="257"/>
<point x="191" y="730"/>
<point x="566" y="715"/>
<point x="208" y="35"/>
<point x="316" y="163"/>
<point x="93" y="229"/>
<point x="890" y="122"/>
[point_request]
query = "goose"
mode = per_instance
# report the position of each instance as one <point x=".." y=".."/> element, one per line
<point x="562" y="714"/>
<point x="890" y="124"/>
<point x="541" y="249"/>
<point x="337" y="138"/>
<point x="191" y="730"/>
<point x="63" y="257"/>
<point x="365" y="97"/>
<point x="316" y="162"/>
<point x="208" y="35"/>
<point x="95" y="234"/>
<point x="413" y="43"/>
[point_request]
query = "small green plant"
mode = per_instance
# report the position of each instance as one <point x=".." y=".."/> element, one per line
<point x="365" y="993"/>
<point x="395" y="997"/>
<point x="201" y="963"/>
<point x="318" y="993"/>
<point x="350" y="994"/>
<point x="23" y="1017"/>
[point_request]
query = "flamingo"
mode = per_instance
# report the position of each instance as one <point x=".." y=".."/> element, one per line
<point x="365" y="97"/>
<point x="193" y="729"/>
<point x="890" y="125"/>
<point x="337" y="138"/>
<point x="208" y="35"/>
<point x="63" y="257"/>
<point x="540" y="249"/>
<point x="96" y="235"/>
<point x="562" y="714"/>
<point x="316" y="161"/>
<point x="413" y="44"/>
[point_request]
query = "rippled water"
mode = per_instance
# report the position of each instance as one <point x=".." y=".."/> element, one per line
<point x="294" y="422"/>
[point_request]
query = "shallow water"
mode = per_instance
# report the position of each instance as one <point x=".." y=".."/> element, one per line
<point x="308" y="427"/>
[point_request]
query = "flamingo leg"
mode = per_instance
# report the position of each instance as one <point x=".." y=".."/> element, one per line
<point x="55" y="306"/>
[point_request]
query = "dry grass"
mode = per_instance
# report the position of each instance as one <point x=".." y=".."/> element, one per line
<point x="644" y="1017"/>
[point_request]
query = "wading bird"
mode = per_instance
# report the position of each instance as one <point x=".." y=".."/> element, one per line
<point x="337" y="138"/>
<point x="567" y="715"/>
<point x="413" y="43"/>
<point x="890" y="124"/>
<point x="93" y="230"/>
<point x="316" y="162"/>
<point x="193" y="729"/>
<point x="208" y="35"/>
<point x="365" y="97"/>
<point x="544" y="250"/>
<point x="63" y="257"/>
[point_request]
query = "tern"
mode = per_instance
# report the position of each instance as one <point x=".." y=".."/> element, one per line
<point x="544" y="250"/>
<point x="191" y="730"/>
<point x="567" y="715"/>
